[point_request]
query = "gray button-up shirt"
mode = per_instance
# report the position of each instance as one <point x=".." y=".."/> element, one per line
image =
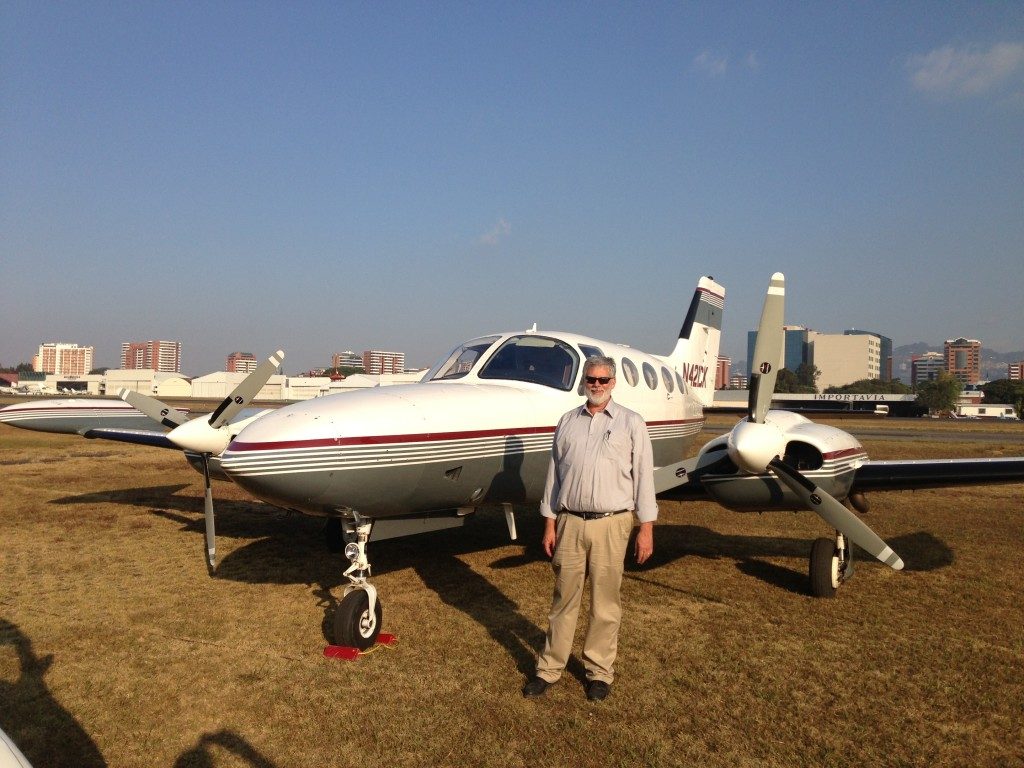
<point x="601" y="463"/>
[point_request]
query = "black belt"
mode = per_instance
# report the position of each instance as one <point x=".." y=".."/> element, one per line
<point x="593" y="515"/>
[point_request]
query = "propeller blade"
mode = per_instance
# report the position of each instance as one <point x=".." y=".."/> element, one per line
<point x="835" y="514"/>
<point x="767" y="350"/>
<point x="157" y="411"/>
<point x="246" y="391"/>
<point x="211" y="536"/>
<point x="208" y="435"/>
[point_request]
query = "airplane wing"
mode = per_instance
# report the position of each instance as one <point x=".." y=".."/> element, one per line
<point x="138" y="436"/>
<point x="682" y="481"/>
<point x="941" y="473"/>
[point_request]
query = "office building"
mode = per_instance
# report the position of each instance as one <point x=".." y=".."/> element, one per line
<point x="885" y="352"/>
<point x="963" y="359"/>
<point x="926" y="367"/>
<point x="844" y="358"/>
<point x="795" y="350"/>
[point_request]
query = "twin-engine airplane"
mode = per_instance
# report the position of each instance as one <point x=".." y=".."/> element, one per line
<point x="393" y="461"/>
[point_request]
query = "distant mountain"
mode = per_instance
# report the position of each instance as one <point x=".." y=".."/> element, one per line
<point x="917" y="348"/>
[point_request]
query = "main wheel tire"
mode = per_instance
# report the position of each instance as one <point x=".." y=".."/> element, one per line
<point x="354" y="626"/>
<point x="824" y="568"/>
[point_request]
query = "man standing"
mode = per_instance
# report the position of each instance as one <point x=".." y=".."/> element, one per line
<point x="601" y="470"/>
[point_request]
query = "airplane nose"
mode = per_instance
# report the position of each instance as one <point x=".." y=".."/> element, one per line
<point x="285" y="472"/>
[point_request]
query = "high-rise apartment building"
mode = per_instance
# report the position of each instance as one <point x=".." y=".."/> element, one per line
<point x="346" y="359"/>
<point x="1015" y="371"/>
<point x="63" y="359"/>
<point x="241" y="362"/>
<point x="722" y="372"/>
<point x="151" y="355"/>
<point x="963" y="359"/>
<point x="376" y="361"/>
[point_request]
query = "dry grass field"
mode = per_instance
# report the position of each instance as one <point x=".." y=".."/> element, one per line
<point x="117" y="649"/>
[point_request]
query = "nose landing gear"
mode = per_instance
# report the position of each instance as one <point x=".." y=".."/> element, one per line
<point x="357" y="620"/>
<point x="831" y="564"/>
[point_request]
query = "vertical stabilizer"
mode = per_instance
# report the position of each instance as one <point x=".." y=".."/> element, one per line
<point x="696" y="353"/>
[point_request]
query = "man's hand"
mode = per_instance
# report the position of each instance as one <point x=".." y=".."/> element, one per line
<point x="550" y="537"/>
<point x="644" y="542"/>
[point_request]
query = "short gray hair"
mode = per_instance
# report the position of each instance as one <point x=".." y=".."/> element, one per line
<point x="599" y="361"/>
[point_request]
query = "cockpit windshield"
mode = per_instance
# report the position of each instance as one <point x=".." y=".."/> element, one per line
<point x="459" y="362"/>
<point x="536" y="359"/>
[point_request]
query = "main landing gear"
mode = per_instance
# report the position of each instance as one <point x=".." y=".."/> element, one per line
<point x="831" y="564"/>
<point x="357" y="620"/>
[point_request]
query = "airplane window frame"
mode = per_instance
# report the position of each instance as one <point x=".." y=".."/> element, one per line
<point x="650" y="375"/>
<point x="440" y="370"/>
<point x="681" y="383"/>
<point x="564" y="382"/>
<point x="630" y="372"/>
<point x="666" y="376"/>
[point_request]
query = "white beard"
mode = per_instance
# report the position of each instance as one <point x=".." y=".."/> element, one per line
<point x="598" y="399"/>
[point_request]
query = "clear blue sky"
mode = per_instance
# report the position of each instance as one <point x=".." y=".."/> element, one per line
<point x="331" y="176"/>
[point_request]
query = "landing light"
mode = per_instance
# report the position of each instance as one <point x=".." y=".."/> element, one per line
<point x="352" y="551"/>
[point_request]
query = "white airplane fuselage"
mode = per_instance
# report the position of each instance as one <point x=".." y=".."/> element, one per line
<point x="447" y="443"/>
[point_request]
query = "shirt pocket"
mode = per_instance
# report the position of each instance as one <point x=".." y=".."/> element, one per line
<point x="617" y="452"/>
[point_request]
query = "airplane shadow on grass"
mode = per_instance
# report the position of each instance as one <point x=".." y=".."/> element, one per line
<point x="45" y="732"/>
<point x="922" y="552"/>
<point x="163" y="495"/>
<point x="288" y="548"/>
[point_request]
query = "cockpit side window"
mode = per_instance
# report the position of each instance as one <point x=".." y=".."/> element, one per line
<point x="461" y="360"/>
<point x="536" y="359"/>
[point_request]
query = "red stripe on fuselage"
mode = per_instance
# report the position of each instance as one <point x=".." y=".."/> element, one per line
<point x="428" y="437"/>
<point x="843" y="453"/>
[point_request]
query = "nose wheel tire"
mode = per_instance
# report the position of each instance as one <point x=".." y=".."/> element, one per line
<point x="354" y="625"/>
<point x="824" y="568"/>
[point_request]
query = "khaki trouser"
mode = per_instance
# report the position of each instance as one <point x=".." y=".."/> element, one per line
<point x="597" y="547"/>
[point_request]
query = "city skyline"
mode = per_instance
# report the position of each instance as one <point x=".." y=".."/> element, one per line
<point x="735" y="362"/>
<point x="415" y="179"/>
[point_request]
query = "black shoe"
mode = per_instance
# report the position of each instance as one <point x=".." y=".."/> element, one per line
<point x="535" y="687"/>
<point x="598" y="690"/>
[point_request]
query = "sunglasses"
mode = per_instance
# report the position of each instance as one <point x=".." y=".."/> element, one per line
<point x="596" y="379"/>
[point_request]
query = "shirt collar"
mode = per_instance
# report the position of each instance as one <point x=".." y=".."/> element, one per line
<point x="610" y="410"/>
